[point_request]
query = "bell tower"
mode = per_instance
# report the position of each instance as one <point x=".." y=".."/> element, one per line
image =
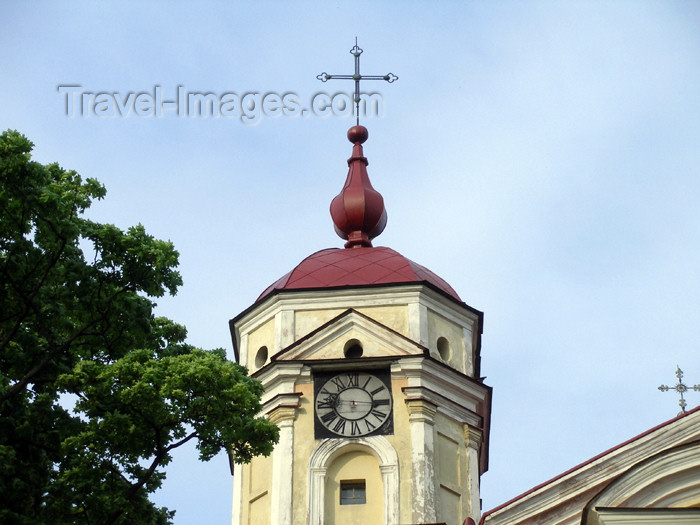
<point x="371" y="369"/>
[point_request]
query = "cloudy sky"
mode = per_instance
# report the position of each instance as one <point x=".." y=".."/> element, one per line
<point x="542" y="157"/>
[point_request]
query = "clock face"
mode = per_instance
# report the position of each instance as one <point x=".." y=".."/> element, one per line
<point x="352" y="404"/>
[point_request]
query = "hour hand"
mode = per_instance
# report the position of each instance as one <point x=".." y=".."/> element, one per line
<point x="330" y="401"/>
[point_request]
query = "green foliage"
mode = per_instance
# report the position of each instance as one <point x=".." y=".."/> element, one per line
<point x="95" y="391"/>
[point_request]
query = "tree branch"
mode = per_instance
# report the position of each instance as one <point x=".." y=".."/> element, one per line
<point x="135" y="487"/>
<point x="25" y="380"/>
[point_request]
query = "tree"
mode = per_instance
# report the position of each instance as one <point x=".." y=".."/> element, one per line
<point x="95" y="390"/>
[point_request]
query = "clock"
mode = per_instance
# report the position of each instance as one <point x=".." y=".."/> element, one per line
<point x="353" y="404"/>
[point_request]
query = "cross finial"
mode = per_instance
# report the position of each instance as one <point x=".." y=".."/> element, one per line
<point x="680" y="388"/>
<point x="356" y="51"/>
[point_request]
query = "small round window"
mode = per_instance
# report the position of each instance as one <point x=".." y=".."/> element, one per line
<point x="261" y="357"/>
<point x="443" y="346"/>
<point x="353" y="349"/>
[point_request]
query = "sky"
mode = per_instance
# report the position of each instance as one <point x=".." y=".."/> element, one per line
<point x="542" y="157"/>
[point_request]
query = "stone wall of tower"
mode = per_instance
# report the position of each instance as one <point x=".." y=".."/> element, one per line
<point x="427" y="469"/>
<point x="426" y="318"/>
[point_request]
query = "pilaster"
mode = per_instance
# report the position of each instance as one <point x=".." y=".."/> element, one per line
<point x="243" y="351"/>
<point x="284" y="329"/>
<point x="283" y="415"/>
<point x="237" y="494"/>
<point x="467" y="337"/>
<point x="472" y="439"/>
<point x="418" y="323"/>
<point x="421" y="416"/>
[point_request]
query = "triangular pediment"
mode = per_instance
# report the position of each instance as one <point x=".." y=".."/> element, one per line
<point x="330" y="340"/>
<point x="668" y="479"/>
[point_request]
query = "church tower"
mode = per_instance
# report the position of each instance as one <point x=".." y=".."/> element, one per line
<point x="371" y="369"/>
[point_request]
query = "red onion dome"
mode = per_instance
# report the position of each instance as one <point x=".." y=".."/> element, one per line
<point x="358" y="210"/>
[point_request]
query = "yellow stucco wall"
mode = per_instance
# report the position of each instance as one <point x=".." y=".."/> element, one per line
<point x="303" y="447"/>
<point x="355" y="465"/>
<point x="264" y="335"/>
<point x="395" y="317"/>
<point x="257" y="476"/>
<point x="306" y="321"/>
<point x="438" y="327"/>
<point x="451" y="470"/>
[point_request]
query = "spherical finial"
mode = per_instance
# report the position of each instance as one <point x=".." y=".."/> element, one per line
<point x="358" y="134"/>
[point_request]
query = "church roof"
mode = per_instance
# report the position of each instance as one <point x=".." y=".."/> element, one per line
<point x="587" y="479"/>
<point x="359" y="216"/>
<point x="358" y="266"/>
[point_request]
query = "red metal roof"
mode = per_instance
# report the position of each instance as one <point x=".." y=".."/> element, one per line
<point x="358" y="266"/>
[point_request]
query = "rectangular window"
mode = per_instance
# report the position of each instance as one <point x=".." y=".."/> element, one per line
<point x="352" y="492"/>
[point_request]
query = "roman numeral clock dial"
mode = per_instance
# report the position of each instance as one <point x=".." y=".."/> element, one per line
<point x="353" y="404"/>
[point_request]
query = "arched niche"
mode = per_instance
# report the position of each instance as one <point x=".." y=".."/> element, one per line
<point x="330" y="449"/>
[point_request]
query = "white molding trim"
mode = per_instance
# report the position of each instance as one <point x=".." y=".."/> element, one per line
<point x="378" y="340"/>
<point x="329" y="449"/>
<point x="456" y="395"/>
<point x="329" y="299"/>
<point x="668" y="479"/>
<point x="637" y="516"/>
<point x="563" y="497"/>
<point x="280" y="379"/>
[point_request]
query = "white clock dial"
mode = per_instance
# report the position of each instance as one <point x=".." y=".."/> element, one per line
<point x="353" y="404"/>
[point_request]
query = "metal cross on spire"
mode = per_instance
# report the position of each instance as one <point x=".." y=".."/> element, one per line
<point x="356" y="51"/>
<point x="680" y="388"/>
